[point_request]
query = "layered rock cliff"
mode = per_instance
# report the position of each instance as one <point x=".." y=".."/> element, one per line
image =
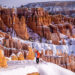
<point x="40" y="21"/>
<point x="9" y="22"/>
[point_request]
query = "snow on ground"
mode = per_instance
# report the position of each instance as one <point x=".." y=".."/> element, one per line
<point x="44" y="68"/>
<point x="1" y="38"/>
<point x="28" y="66"/>
<point x="63" y="36"/>
<point x="44" y="46"/>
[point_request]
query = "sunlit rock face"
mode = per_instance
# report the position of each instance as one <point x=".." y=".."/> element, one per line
<point x="40" y="21"/>
<point x="20" y="56"/>
<point x="2" y="25"/>
<point x="35" y="73"/>
<point x="3" y="61"/>
<point x="14" y="57"/>
<point x="10" y="22"/>
<point x="39" y="17"/>
<point x="6" y="15"/>
<point x="20" y="27"/>
<point x="30" y="55"/>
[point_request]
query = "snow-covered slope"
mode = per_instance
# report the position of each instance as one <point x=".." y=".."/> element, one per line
<point x="44" y="46"/>
<point x="35" y="43"/>
<point x="43" y="68"/>
<point x="55" y="7"/>
<point x="17" y="3"/>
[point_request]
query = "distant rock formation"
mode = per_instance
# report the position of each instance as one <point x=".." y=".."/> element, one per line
<point x="40" y="21"/>
<point x="20" y="28"/>
<point x="9" y="22"/>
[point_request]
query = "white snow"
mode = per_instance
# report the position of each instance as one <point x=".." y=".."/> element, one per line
<point x="14" y="33"/>
<point x="13" y="54"/>
<point x="44" y="46"/>
<point x="17" y="3"/>
<point x="18" y="54"/>
<point x="72" y="41"/>
<point x="44" y="68"/>
<point x="1" y="38"/>
<point x="25" y="67"/>
<point x="33" y="35"/>
<point x="48" y="46"/>
<point x="63" y="36"/>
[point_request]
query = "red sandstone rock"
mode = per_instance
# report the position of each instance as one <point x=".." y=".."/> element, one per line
<point x="55" y="38"/>
<point x="35" y="73"/>
<point x="20" y="28"/>
<point x="47" y="33"/>
<point x="2" y="25"/>
<point x="7" y="20"/>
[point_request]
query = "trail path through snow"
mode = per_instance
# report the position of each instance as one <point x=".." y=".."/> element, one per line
<point x="28" y="66"/>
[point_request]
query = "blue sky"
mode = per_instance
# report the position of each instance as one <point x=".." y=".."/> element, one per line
<point x="16" y="3"/>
